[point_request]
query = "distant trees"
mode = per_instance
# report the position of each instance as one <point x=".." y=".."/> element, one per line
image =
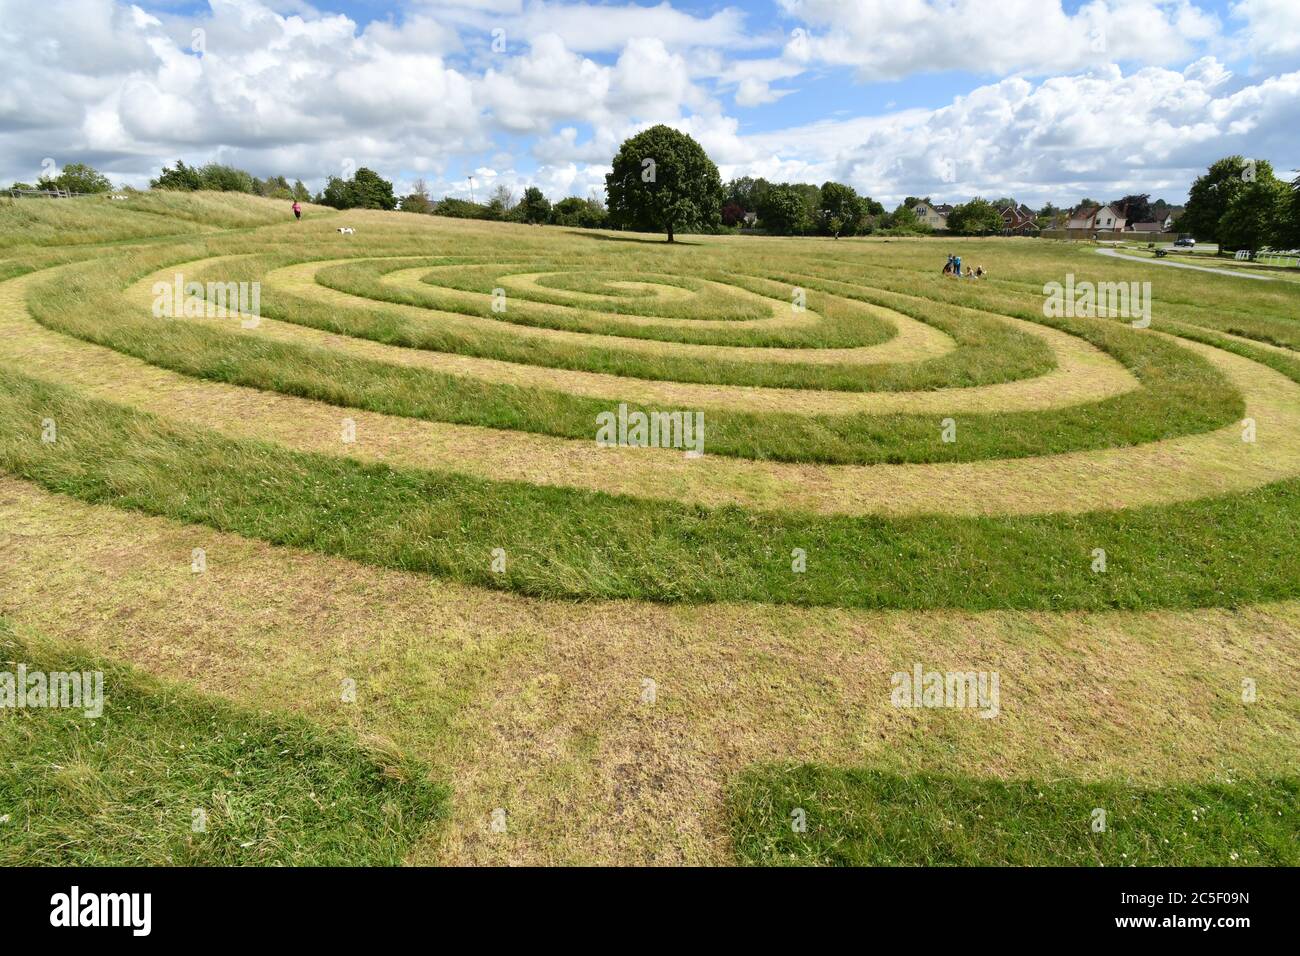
<point x="1241" y="204"/>
<point x="77" y="178"/>
<point x="799" y="209"/>
<point x="574" y="211"/>
<point x="784" y="211"/>
<point x="903" y="219"/>
<point x="223" y="178"/>
<point x="417" y="200"/>
<point x="840" y="208"/>
<point x="1137" y="207"/>
<point x="460" y="209"/>
<point x="181" y="177"/>
<point x="534" y="207"/>
<point x="501" y="203"/>
<point x="663" y="181"/>
<point x="365" y="190"/>
<point x="979" y="217"/>
<point x="733" y="213"/>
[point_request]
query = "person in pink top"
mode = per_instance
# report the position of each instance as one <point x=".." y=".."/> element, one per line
<point x="297" y="210"/>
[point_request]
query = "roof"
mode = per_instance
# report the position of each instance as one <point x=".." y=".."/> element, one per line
<point x="1091" y="211"/>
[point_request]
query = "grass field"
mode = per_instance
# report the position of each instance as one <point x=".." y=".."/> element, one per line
<point x="374" y="521"/>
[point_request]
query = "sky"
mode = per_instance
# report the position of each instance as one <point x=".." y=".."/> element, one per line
<point x="1042" y="100"/>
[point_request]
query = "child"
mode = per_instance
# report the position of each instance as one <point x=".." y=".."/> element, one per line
<point x="297" y="210"/>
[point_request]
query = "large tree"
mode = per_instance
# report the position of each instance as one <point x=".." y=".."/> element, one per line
<point x="1213" y="192"/>
<point x="785" y="210"/>
<point x="1290" y="229"/>
<point x="534" y="207"/>
<point x="663" y="180"/>
<point x="365" y="190"/>
<point x="840" y="209"/>
<point x="1137" y="207"/>
<point x="1256" y="215"/>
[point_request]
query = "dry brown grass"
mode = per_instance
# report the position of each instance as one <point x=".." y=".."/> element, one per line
<point x="535" y="706"/>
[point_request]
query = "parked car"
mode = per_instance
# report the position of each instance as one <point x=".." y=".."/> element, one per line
<point x="1186" y="242"/>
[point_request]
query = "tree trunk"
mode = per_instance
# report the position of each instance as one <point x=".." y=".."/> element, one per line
<point x="670" y="233"/>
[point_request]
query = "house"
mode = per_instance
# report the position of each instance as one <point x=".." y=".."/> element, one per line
<point x="1019" y="221"/>
<point x="1097" y="219"/>
<point x="934" y="215"/>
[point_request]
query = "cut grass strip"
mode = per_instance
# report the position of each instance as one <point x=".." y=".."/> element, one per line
<point x="573" y="544"/>
<point x="931" y="360"/>
<point x="1154" y="473"/>
<point x="859" y="817"/>
<point x="1082" y="372"/>
<point x="707" y="318"/>
<point x="1184" y="394"/>
<point x="535" y="705"/>
<point x="123" y="789"/>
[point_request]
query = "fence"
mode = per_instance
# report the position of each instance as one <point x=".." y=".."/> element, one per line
<point x="42" y="193"/>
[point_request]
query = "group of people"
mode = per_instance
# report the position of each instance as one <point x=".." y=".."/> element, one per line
<point x="953" y="268"/>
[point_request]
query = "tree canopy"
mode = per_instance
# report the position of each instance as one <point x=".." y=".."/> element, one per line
<point x="365" y="190"/>
<point x="979" y="217"/>
<point x="77" y="178"/>
<point x="1240" y="204"/>
<point x="662" y="180"/>
<point x="840" y="208"/>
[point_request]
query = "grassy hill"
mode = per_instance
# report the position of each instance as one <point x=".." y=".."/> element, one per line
<point x="389" y="476"/>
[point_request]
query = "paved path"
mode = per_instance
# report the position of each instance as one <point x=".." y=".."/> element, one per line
<point x="1184" y="265"/>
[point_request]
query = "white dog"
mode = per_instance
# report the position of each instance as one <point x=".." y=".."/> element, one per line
<point x="346" y="230"/>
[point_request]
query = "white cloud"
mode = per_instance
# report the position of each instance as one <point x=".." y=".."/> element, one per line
<point x="1272" y="28"/>
<point x="1100" y="132"/>
<point x="282" y="87"/>
<point x="888" y="39"/>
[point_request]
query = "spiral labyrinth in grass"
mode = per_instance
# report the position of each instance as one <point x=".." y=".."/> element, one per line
<point x="386" y="466"/>
<point x="658" y="428"/>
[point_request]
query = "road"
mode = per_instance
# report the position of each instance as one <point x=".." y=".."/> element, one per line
<point x="1185" y="265"/>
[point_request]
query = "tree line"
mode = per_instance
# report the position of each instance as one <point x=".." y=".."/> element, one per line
<point x="1242" y="204"/>
<point x="663" y="181"/>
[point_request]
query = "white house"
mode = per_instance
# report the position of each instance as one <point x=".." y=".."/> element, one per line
<point x="1097" y="219"/>
<point x="934" y="215"/>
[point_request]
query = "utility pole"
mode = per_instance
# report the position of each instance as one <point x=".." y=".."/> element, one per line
<point x="471" y="189"/>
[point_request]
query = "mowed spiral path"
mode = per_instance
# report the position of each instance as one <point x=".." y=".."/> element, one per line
<point x="532" y="704"/>
<point x="957" y="455"/>
<point x="1177" y="469"/>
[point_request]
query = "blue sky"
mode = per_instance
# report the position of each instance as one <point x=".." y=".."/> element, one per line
<point x="1046" y="100"/>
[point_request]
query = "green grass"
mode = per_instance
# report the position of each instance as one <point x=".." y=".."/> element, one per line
<point x="145" y="216"/>
<point x="1182" y="393"/>
<point x="281" y="790"/>
<point x="121" y="789"/>
<point x="987" y="351"/>
<point x="859" y="817"/>
<point x="576" y="544"/>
